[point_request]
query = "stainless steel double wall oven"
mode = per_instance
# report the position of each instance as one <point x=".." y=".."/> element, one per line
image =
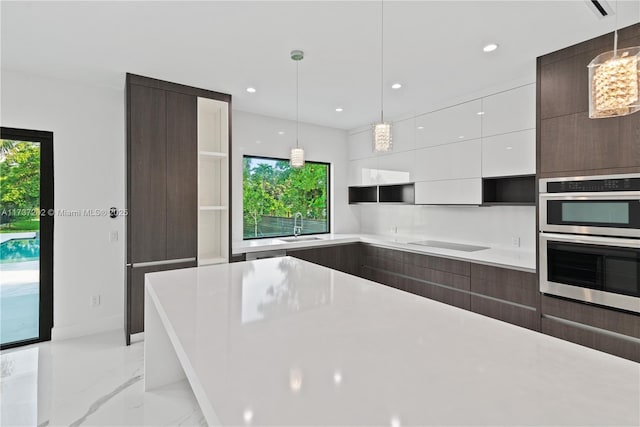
<point x="590" y="239"/>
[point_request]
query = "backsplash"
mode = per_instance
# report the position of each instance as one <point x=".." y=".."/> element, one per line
<point x="494" y="226"/>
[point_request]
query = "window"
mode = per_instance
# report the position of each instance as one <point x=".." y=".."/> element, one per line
<point x="277" y="197"/>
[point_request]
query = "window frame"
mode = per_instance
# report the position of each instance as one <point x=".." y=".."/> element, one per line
<point x="45" y="321"/>
<point x="329" y="190"/>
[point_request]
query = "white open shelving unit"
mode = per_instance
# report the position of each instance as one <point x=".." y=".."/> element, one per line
<point x="213" y="182"/>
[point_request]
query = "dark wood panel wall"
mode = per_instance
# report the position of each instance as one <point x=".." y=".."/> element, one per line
<point x="569" y="143"/>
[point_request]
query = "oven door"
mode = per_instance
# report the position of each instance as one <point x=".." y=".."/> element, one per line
<point x="606" y="214"/>
<point x="599" y="270"/>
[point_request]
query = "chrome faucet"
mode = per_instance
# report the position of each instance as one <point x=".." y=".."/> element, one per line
<point x="297" y="229"/>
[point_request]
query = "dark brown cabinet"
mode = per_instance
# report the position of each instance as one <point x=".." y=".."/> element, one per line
<point x="440" y="279"/>
<point x="569" y="143"/>
<point x="504" y="294"/>
<point x="135" y="293"/>
<point x="147" y="160"/>
<point x="182" y="175"/>
<point x="345" y="258"/>
<point x="603" y="329"/>
<point x="162" y="183"/>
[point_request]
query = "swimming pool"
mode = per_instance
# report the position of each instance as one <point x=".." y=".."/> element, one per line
<point x="19" y="250"/>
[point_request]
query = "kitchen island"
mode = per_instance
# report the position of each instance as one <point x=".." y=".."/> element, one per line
<point x="282" y="341"/>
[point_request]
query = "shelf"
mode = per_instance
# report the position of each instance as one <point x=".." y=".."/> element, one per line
<point x="211" y="260"/>
<point x="213" y="208"/>
<point x="396" y="193"/>
<point x="388" y="193"/>
<point x="213" y="154"/>
<point x="509" y="191"/>
<point x="367" y="194"/>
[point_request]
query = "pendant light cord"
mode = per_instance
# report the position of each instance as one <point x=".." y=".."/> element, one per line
<point x="615" y="34"/>
<point x="382" y="61"/>
<point x="297" y="101"/>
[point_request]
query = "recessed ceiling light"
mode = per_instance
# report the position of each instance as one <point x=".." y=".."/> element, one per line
<point x="280" y="132"/>
<point x="251" y="89"/>
<point x="339" y="110"/>
<point x="480" y="113"/>
<point x="396" y="86"/>
<point x="420" y="127"/>
<point x="490" y="47"/>
<point x="247" y="415"/>
<point x="258" y="142"/>
<point x="461" y="136"/>
<point x="509" y="148"/>
<point x="337" y="377"/>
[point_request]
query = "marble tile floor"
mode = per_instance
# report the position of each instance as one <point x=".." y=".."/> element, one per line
<point x="89" y="381"/>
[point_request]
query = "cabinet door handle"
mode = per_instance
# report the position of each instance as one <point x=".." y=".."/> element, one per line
<point x="163" y="262"/>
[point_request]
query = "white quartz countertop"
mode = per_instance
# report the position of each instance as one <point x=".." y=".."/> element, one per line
<point x="284" y="342"/>
<point x="516" y="259"/>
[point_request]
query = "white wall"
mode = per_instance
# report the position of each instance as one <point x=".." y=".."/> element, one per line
<point x="89" y="160"/>
<point x="254" y="134"/>
<point x="487" y="225"/>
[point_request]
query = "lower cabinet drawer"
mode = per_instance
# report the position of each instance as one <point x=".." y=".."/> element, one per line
<point x="135" y="293"/>
<point x="516" y="315"/>
<point x="603" y="329"/>
<point x="577" y="333"/>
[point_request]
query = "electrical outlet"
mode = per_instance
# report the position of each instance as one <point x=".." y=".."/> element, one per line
<point x="515" y="242"/>
<point x="394" y="229"/>
<point x="113" y="236"/>
<point x="94" y="301"/>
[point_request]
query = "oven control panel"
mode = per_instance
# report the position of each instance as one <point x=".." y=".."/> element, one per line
<point x="594" y="185"/>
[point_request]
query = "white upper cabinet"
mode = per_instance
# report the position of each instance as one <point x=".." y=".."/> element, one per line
<point x="404" y="135"/>
<point x="395" y="168"/>
<point x="449" y="192"/>
<point x="363" y="171"/>
<point x="509" y="111"/>
<point x="361" y="145"/>
<point x="458" y="123"/>
<point x="509" y="154"/>
<point x="449" y="161"/>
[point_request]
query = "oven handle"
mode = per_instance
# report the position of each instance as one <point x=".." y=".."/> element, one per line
<point x="605" y="195"/>
<point x="596" y="240"/>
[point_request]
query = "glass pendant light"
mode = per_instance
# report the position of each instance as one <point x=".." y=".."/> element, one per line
<point x="382" y="140"/>
<point x="297" y="154"/>
<point x="614" y="81"/>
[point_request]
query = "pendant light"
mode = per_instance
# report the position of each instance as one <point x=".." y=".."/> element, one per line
<point x="297" y="154"/>
<point x="614" y="81"/>
<point x="382" y="140"/>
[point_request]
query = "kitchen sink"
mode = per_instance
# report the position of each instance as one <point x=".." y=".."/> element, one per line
<point x="299" y="239"/>
<point x="449" y="245"/>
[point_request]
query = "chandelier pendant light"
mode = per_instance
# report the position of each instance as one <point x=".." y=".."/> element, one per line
<point x="297" y="154"/>
<point x="382" y="139"/>
<point x="614" y="81"/>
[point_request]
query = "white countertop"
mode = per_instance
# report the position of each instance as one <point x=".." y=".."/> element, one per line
<point x="285" y="342"/>
<point x="516" y="259"/>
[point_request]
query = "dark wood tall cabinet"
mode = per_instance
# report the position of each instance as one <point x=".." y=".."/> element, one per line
<point x="569" y="142"/>
<point x="162" y="184"/>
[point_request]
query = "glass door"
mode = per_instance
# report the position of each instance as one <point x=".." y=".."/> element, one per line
<point x="26" y="236"/>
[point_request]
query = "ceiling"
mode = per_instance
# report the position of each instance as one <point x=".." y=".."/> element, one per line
<point x="434" y="48"/>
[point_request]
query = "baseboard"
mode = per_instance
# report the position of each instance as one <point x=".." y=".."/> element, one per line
<point x="87" y="328"/>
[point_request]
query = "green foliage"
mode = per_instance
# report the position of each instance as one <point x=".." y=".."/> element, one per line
<point x="32" y="224"/>
<point x="19" y="179"/>
<point x="274" y="188"/>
